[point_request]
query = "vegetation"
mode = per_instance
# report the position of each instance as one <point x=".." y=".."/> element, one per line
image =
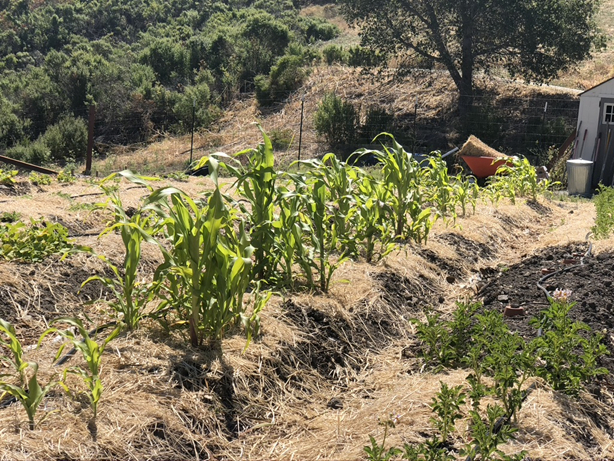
<point x="143" y="67"/>
<point x="604" y="204"/>
<point x="465" y="37"/>
<point x="33" y="242"/>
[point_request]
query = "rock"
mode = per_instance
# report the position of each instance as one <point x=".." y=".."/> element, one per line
<point x="503" y="298"/>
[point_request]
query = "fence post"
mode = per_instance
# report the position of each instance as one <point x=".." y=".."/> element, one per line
<point x="300" y="133"/>
<point x="90" y="140"/>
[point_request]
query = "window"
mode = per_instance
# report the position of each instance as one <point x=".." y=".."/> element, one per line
<point x="608" y="113"/>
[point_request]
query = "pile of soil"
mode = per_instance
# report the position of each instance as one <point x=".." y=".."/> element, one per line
<point x="590" y="282"/>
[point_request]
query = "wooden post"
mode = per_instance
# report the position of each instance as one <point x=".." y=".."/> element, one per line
<point x="90" y="140"/>
<point x="300" y="133"/>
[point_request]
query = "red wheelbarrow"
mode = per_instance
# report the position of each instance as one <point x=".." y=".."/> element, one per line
<point x="483" y="167"/>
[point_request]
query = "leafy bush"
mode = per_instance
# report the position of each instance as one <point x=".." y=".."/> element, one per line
<point x="364" y="57"/>
<point x="32" y="243"/>
<point x="604" y="205"/>
<point x="67" y="139"/>
<point x="37" y="153"/>
<point x="334" y="54"/>
<point x="336" y="121"/>
<point x="39" y="179"/>
<point x="285" y="77"/>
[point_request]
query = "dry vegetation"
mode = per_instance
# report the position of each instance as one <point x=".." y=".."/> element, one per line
<point x="322" y="372"/>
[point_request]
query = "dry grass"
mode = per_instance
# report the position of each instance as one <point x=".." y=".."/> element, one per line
<point x="476" y="148"/>
<point x="166" y="400"/>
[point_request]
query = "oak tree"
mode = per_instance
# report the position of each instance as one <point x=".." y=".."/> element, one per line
<point x="532" y="39"/>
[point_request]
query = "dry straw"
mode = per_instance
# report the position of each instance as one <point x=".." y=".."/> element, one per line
<point x="312" y="386"/>
<point x="476" y="148"/>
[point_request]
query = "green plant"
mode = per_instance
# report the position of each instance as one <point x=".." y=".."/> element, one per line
<point x="437" y="343"/>
<point x="567" y="357"/>
<point x="489" y="435"/>
<point x="604" y="206"/>
<point x="7" y="178"/>
<point x="334" y="54"/>
<point x="30" y="395"/>
<point x="34" y="242"/>
<point x="402" y="175"/>
<point x="208" y="263"/>
<point x="10" y="216"/>
<point x="256" y="183"/>
<point x="178" y="176"/>
<point x="377" y="451"/>
<point x="91" y="352"/>
<point x="446" y="406"/>
<point x="336" y="121"/>
<point x="518" y="180"/>
<point x="131" y="295"/>
<point x="67" y="176"/>
<point x="38" y="179"/>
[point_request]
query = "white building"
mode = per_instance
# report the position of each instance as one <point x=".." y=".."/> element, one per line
<point x="595" y="131"/>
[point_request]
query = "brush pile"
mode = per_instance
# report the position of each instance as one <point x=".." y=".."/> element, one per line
<point x="476" y="148"/>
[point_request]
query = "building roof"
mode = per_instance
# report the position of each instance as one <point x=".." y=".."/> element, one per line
<point x="596" y="86"/>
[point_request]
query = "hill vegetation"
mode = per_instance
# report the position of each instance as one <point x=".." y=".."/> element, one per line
<point x="146" y="66"/>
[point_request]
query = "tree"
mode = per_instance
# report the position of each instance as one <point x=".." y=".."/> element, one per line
<point x="532" y="39"/>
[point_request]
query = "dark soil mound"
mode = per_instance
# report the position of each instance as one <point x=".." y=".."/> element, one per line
<point x="590" y="283"/>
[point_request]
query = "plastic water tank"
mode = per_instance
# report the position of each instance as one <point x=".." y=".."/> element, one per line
<point x="579" y="176"/>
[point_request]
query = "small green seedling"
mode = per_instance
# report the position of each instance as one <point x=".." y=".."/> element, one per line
<point x="92" y="353"/>
<point x="32" y="394"/>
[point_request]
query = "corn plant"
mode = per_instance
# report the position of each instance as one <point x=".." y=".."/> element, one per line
<point x="131" y="295"/>
<point x="466" y="192"/>
<point x="290" y="235"/>
<point x="209" y="262"/>
<point x="374" y="231"/>
<point x="518" y="180"/>
<point x="438" y="188"/>
<point x="91" y="352"/>
<point x="317" y="214"/>
<point x="256" y="184"/>
<point x="340" y="180"/>
<point x="27" y="390"/>
<point x="401" y="174"/>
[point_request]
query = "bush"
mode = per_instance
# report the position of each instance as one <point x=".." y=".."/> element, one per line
<point x="336" y="120"/>
<point x="364" y="57"/>
<point x="377" y="120"/>
<point x="285" y="77"/>
<point x="320" y="29"/>
<point x="334" y="54"/>
<point x="604" y="203"/>
<point x="67" y="139"/>
<point x="281" y="139"/>
<point x="37" y="153"/>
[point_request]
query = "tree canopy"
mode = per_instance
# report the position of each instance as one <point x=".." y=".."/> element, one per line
<point x="532" y="39"/>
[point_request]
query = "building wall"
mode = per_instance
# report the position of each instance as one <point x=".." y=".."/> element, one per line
<point x="588" y="114"/>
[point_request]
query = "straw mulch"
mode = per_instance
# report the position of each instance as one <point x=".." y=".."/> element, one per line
<point x="476" y="148"/>
<point x="313" y="385"/>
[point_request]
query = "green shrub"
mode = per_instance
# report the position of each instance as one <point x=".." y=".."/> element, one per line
<point x="285" y="77"/>
<point x="34" y="242"/>
<point x="282" y="138"/>
<point x="319" y="29"/>
<point x="604" y="204"/>
<point x="67" y="139"/>
<point x="334" y="54"/>
<point x="336" y="121"/>
<point x="37" y="153"/>
<point x="364" y="57"/>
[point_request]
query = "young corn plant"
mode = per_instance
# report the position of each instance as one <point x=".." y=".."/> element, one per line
<point x="401" y="174"/>
<point x="374" y="231"/>
<point x="318" y="215"/>
<point x="290" y="236"/>
<point x="209" y="262"/>
<point x="256" y="183"/>
<point x="131" y="294"/>
<point x="24" y="386"/>
<point x="438" y="188"/>
<point x="91" y="352"/>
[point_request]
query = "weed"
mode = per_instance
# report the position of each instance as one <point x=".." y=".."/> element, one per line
<point x="33" y="242"/>
<point x="39" y="179"/>
<point x="604" y="205"/>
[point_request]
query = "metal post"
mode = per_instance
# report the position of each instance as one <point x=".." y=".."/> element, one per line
<point x="415" y="118"/>
<point x="192" y="137"/>
<point x="300" y="134"/>
<point x="544" y="124"/>
<point x="90" y="140"/>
